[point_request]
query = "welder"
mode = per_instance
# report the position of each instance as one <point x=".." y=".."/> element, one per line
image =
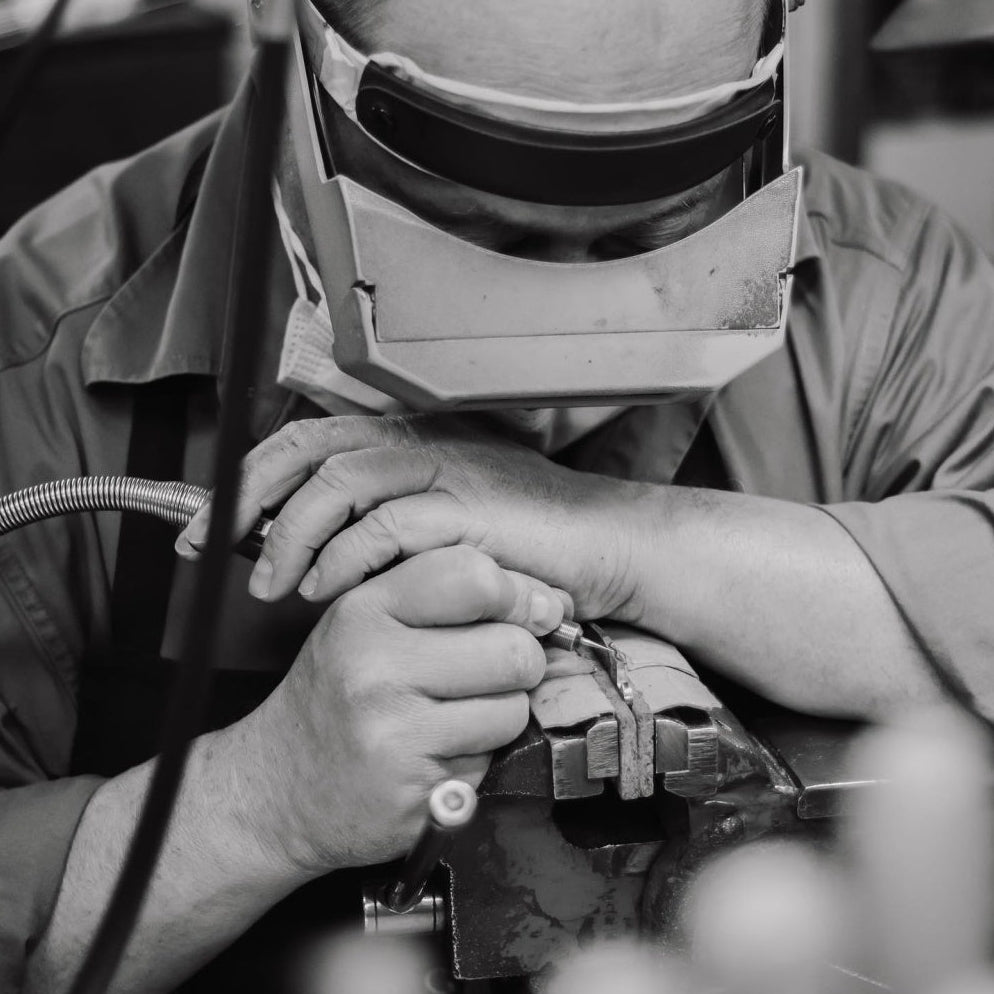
<point x="810" y="517"/>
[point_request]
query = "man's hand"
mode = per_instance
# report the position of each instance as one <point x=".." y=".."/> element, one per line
<point x="364" y="492"/>
<point x="411" y="678"/>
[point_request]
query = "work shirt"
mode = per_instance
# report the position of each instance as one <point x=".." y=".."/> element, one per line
<point x="879" y="410"/>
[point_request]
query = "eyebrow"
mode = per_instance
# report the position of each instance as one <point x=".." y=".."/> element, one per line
<point x="681" y="206"/>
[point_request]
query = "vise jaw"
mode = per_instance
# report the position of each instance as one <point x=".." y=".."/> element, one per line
<point x="629" y="715"/>
<point x="593" y="820"/>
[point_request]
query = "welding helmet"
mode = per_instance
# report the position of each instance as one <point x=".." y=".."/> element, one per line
<point x="439" y="322"/>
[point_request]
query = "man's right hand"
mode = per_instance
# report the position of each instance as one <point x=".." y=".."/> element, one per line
<point x="413" y="677"/>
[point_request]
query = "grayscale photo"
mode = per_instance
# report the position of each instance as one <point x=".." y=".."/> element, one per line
<point x="496" y="496"/>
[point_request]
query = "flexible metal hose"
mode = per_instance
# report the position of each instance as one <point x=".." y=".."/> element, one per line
<point x="174" y="502"/>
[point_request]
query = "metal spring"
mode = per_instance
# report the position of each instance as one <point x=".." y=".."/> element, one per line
<point x="174" y="502"/>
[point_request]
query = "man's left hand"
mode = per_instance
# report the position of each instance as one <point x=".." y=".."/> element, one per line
<point x="363" y="492"/>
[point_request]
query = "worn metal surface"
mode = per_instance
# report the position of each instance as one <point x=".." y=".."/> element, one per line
<point x="631" y="781"/>
<point x="602" y="749"/>
<point x="816" y="751"/>
<point x="521" y="895"/>
<point x="700" y="773"/>
<point x="535" y="877"/>
<point x="426" y="917"/>
<point x="569" y="768"/>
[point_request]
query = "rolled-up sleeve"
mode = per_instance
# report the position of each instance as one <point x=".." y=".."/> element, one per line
<point x="40" y="807"/>
<point x="921" y="458"/>
<point x="48" y="593"/>
<point x="37" y="825"/>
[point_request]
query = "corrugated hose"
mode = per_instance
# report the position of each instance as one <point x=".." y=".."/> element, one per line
<point x="176" y="503"/>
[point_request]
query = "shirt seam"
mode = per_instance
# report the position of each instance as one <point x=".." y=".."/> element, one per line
<point x="36" y="620"/>
<point x="869" y="382"/>
<point x="850" y="243"/>
<point x="54" y="329"/>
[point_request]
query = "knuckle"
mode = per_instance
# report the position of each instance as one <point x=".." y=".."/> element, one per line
<point x="330" y="471"/>
<point x="381" y="524"/>
<point x="293" y="437"/>
<point x="357" y="605"/>
<point x="479" y="573"/>
<point x="378" y="737"/>
<point x="283" y="533"/>
<point x="362" y="545"/>
<point x="356" y="689"/>
<point x="333" y="472"/>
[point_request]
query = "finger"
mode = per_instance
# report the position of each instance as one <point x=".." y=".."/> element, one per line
<point x="474" y="661"/>
<point x="397" y="529"/>
<point x="460" y="586"/>
<point x="342" y="486"/>
<point x="478" y="724"/>
<point x="471" y="769"/>
<point x="278" y="464"/>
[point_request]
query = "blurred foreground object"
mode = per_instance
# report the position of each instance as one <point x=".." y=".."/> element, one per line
<point x="766" y="919"/>
<point x="901" y="902"/>
<point x="620" y="967"/>
<point x="350" y="963"/>
<point x="920" y="845"/>
<point x="930" y="23"/>
<point x="932" y="115"/>
<point x="107" y="92"/>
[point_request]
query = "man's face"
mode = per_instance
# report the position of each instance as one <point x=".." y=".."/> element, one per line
<point x="582" y="51"/>
<point x="575" y="50"/>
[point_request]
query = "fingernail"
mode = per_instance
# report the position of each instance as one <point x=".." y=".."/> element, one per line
<point x="196" y="530"/>
<point x="261" y="579"/>
<point x="308" y="585"/>
<point x="185" y="549"/>
<point x="542" y="613"/>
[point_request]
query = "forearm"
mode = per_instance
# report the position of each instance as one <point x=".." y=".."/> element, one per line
<point x="778" y="596"/>
<point x="215" y="876"/>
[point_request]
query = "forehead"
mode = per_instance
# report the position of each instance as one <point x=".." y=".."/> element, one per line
<point x="584" y="50"/>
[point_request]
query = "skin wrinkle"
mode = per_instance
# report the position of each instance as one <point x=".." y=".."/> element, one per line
<point x="568" y="49"/>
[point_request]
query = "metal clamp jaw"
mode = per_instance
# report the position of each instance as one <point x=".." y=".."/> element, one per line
<point x="642" y="739"/>
<point x="556" y="854"/>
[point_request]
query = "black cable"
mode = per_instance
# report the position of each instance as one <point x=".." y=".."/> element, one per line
<point x="27" y="65"/>
<point x="187" y="701"/>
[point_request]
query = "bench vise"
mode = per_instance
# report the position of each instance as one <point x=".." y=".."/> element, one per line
<point x="592" y="823"/>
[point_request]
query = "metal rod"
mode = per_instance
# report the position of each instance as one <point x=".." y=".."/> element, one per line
<point x="451" y="807"/>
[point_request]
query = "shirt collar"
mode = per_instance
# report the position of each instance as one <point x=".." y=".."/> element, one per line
<point x="168" y="319"/>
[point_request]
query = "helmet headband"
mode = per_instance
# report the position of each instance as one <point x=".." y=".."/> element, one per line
<point x="543" y="151"/>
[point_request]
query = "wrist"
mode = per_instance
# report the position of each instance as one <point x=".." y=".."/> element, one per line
<point x="626" y="555"/>
<point x="256" y="812"/>
<point x="665" y="531"/>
